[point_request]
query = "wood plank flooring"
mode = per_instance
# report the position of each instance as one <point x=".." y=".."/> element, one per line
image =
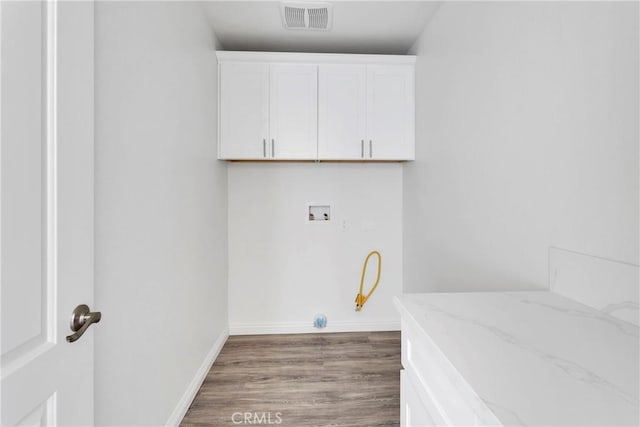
<point x="342" y="379"/>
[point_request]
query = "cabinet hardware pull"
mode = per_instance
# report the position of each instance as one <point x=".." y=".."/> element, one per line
<point x="273" y="150"/>
<point x="362" y="148"/>
<point x="370" y="149"/>
<point x="264" y="147"/>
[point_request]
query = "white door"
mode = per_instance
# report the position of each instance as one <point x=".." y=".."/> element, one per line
<point x="294" y="111"/>
<point x="390" y="112"/>
<point x="244" y="111"/>
<point x="342" y="108"/>
<point x="46" y="120"/>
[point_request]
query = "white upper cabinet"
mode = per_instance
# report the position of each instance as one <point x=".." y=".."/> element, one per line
<point x="342" y="108"/>
<point x="244" y="111"/>
<point x="366" y="112"/>
<point x="296" y="106"/>
<point x="390" y="112"/>
<point x="294" y="111"/>
<point x="268" y="111"/>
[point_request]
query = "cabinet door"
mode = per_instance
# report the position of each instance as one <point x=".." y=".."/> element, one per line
<point x="244" y="111"/>
<point x="390" y="112"/>
<point x="294" y="111"/>
<point x="342" y="109"/>
<point x="413" y="413"/>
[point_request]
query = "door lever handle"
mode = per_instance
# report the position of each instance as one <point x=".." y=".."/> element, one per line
<point x="81" y="318"/>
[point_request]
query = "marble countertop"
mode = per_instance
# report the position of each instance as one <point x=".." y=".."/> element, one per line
<point x="535" y="358"/>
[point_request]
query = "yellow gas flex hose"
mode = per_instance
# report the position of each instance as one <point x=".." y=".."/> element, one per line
<point x="361" y="298"/>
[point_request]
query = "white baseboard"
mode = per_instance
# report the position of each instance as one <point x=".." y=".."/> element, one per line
<point x="307" y="327"/>
<point x="190" y="393"/>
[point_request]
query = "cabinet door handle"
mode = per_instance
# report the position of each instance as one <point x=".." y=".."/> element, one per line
<point x="370" y="149"/>
<point x="273" y="150"/>
<point x="264" y="147"/>
<point x="362" y="148"/>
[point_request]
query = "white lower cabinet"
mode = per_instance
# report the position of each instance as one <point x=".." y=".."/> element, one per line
<point x="428" y="397"/>
<point x="413" y="412"/>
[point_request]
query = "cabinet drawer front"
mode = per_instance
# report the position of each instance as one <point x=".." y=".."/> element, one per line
<point x="413" y="411"/>
<point x="426" y="363"/>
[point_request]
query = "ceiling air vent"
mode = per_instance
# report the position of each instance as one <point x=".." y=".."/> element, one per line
<point x="306" y="16"/>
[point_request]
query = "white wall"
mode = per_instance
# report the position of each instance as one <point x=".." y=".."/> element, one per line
<point x="527" y="137"/>
<point x="284" y="269"/>
<point x="161" y="214"/>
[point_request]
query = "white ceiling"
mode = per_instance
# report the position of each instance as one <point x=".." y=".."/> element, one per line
<point x="383" y="27"/>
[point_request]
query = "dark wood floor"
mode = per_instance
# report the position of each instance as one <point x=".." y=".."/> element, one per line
<point x="345" y="379"/>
